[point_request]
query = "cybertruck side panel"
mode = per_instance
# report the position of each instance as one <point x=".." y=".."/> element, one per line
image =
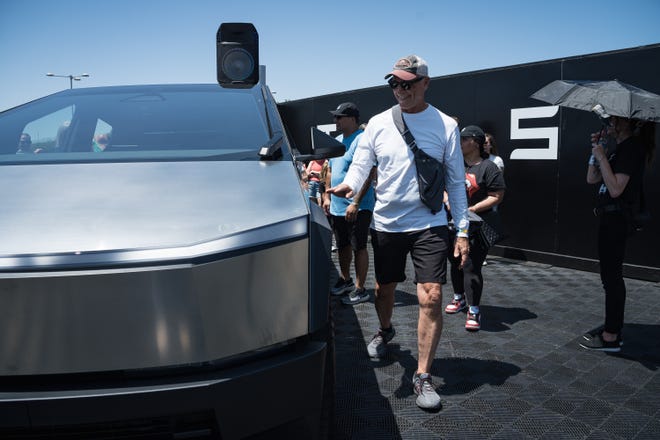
<point x="320" y="263"/>
<point x="104" y="320"/>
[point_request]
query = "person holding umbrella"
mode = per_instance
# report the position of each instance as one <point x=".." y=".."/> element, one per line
<point x="630" y="113"/>
<point x="620" y="176"/>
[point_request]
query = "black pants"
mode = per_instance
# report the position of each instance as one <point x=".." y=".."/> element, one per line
<point x="469" y="279"/>
<point x="612" y="234"/>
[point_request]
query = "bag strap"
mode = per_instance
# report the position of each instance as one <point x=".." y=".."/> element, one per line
<point x="403" y="128"/>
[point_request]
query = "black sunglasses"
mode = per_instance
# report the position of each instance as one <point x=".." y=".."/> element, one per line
<point x="405" y="85"/>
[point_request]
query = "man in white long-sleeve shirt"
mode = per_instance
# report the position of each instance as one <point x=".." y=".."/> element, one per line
<point x="401" y="223"/>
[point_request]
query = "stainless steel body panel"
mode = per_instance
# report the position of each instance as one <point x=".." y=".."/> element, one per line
<point x="96" y="207"/>
<point x="68" y="322"/>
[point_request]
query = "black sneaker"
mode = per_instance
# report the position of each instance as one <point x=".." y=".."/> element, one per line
<point x="599" y="344"/>
<point x="377" y="348"/>
<point x="356" y="297"/>
<point x="342" y="286"/>
<point x="593" y="332"/>
<point x="588" y="336"/>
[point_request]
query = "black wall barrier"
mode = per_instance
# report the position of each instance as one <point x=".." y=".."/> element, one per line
<point x="548" y="205"/>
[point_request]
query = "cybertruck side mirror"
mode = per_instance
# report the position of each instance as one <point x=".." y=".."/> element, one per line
<point x="237" y="55"/>
<point x="323" y="147"/>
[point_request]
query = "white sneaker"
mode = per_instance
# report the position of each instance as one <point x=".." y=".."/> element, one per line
<point x="427" y="397"/>
<point x="377" y="348"/>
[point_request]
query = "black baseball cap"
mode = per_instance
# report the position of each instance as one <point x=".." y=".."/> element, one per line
<point x="346" y="109"/>
<point x="473" y="131"/>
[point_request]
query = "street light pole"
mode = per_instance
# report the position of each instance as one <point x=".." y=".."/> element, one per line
<point x="71" y="77"/>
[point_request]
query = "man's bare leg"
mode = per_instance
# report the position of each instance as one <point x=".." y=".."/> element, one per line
<point x="384" y="302"/>
<point x="345" y="256"/>
<point x="361" y="267"/>
<point x="429" y="324"/>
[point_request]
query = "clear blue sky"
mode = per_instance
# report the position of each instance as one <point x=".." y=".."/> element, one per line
<point x="309" y="48"/>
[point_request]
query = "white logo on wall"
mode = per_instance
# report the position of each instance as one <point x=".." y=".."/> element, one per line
<point x="549" y="133"/>
<point x="327" y="128"/>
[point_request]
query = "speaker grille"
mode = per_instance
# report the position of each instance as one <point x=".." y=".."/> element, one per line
<point x="237" y="64"/>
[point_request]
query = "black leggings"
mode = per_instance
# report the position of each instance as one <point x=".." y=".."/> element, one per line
<point x="612" y="234"/>
<point x="469" y="279"/>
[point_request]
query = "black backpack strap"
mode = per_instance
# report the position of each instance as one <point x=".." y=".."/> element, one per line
<point x="403" y="128"/>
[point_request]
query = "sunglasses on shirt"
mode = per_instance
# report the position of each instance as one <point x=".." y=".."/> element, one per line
<point x="405" y="85"/>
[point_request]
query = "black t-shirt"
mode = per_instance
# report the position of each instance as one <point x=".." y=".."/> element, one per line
<point x="482" y="178"/>
<point x="628" y="158"/>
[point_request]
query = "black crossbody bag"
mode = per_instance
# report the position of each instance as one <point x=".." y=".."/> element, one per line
<point x="430" y="172"/>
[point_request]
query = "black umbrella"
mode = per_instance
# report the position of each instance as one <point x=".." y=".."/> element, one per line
<point x="615" y="98"/>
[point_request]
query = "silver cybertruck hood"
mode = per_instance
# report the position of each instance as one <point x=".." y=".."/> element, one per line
<point x="106" y="212"/>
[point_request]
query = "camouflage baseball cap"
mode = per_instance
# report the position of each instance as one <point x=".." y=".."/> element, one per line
<point x="409" y="68"/>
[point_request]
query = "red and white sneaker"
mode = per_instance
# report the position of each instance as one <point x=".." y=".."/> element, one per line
<point x="457" y="304"/>
<point x="473" y="321"/>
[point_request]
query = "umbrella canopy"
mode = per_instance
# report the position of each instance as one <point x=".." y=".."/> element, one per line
<point x="615" y="97"/>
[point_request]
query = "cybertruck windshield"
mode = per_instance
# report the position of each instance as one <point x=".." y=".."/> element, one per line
<point x="136" y="122"/>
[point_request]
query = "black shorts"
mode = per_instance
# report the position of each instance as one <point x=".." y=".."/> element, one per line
<point x="354" y="234"/>
<point x="428" y="248"/>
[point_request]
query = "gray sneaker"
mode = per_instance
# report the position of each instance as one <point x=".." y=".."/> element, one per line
<point x="427" y="398"/>
<point x="377" y="348"/>
<point x="356" y="297"/>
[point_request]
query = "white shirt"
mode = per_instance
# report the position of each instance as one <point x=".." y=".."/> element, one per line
<point x="398" y="206"/>
<point x="497" y="160"/>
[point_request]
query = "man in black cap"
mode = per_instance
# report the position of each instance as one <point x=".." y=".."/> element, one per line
<point x="401" y="223"/>
<point x="350" y="218"/>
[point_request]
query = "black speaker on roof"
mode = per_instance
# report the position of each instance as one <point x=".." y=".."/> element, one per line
<point x="237" y="55"/>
